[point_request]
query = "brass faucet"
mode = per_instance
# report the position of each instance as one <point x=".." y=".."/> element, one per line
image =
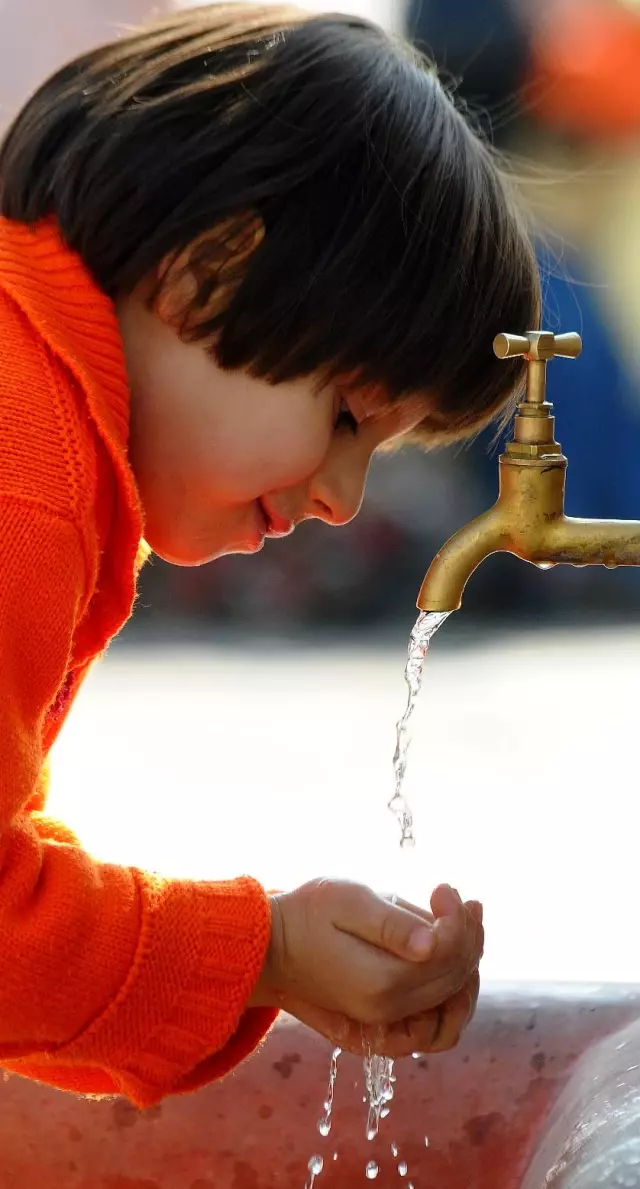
<point x="528" y="518"/>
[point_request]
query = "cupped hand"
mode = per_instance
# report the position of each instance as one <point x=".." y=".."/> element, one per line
<point x="367" y="972"/>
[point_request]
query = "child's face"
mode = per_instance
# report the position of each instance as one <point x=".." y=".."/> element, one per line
<point x="223" y="460"/>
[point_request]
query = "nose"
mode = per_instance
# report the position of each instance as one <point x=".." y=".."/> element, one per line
<point x="336" y="491"/>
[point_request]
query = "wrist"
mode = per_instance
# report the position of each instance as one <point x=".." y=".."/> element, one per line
<point x="268" y="991"/>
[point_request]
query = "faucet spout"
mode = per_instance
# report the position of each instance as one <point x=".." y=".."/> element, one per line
<point x="453" y="566"/>
<point x="528" y="518"/>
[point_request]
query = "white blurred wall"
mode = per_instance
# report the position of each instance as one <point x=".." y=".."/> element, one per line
<point x="209" y="761"/>
<point x="38" y="36"/>
<point x="389" y="13"/>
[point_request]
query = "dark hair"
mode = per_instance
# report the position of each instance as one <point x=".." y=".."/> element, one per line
<point x="393" y="248"/>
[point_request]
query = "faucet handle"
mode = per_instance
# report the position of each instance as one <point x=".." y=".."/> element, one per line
<point x="540" y="345"/>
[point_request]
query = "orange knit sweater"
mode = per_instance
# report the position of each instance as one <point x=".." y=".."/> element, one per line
<point x="112" y="980"/>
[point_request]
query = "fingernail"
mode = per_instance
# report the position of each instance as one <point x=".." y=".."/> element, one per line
<point x="452" y="896"/>
<point x="421" y="942"/>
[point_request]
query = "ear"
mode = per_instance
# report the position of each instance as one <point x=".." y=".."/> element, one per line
<point x="197" y="283"/>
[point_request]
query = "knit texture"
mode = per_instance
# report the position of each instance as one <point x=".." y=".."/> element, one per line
<point x="112" y="980"/>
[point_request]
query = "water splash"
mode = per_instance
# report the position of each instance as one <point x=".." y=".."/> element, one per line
<point x="424" y="630"/>
<point x="379" y="1079"/>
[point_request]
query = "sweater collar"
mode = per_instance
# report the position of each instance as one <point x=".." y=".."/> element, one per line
<point x="56" y="292"/>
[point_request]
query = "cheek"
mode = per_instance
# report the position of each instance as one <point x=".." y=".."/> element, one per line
<point x="290" y="455"/>
<point x="221" y="436"/>
<point x="270" y="443"/>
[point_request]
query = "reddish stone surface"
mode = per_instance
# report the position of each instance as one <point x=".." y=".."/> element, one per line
<point x="484" y="1109"/>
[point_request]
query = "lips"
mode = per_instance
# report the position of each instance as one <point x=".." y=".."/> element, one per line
<point x="277" y="525"/>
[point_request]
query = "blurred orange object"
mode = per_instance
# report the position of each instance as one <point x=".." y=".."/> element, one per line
<point x="586" y="67"/>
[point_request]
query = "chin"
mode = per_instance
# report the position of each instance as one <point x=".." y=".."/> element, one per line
<point x="190" y="555"/>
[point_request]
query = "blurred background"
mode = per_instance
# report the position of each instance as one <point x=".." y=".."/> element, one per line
<point x="558" y="86"/>
<point x="277" y="678"/>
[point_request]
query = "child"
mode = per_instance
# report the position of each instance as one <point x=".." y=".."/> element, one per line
<point x="240" y="251"/>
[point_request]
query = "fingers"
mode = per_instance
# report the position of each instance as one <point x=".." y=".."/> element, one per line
<point x="391" y="927"/>
<point x="459" y="942"/>
<point x="459" y="931"/>
<point x="396" y="992"/>
<point x="406" y="931"/>
<point x="447" y="901"/>
<point x="476" y="910"/>
<point x="473" y="990"/>
<point x="417" y="1034"/>
<point x="455" y="1015"/>
<point x="433" y="1031"/>
<point x="357" y="957"/>
<point x="334" y="1025"/>
<point x="474" y="906"/>
<point x="423" y="913"/>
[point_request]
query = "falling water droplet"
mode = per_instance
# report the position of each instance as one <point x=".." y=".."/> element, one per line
<point x="403" y="1168"/>
<point x="394" y="1149"/>
<point x="335" y="1155"/>
<point x="416" y="1056"/>
<point x="371" y="1171"/>
<point x="426" y="1141"/>
<point x="324" y="1124"/>
<point x="315" y="1167"/>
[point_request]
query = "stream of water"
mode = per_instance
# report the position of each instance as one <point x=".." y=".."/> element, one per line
<point x="378" y="1071"/>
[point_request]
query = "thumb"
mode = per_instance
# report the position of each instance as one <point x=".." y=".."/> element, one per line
<point x="390" y="927"/>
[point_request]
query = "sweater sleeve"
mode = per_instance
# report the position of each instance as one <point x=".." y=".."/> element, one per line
<point x="112" y="980"/>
